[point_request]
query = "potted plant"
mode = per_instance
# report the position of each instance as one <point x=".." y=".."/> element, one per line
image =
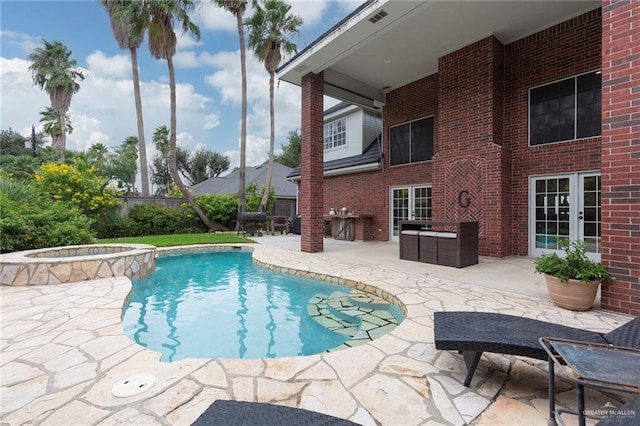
<point x="572" y="280"/>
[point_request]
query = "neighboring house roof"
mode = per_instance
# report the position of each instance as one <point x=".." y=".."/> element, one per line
<point x="337" y="107"/>
<point x="372" y="156"/>
<point x="229" y="184"/>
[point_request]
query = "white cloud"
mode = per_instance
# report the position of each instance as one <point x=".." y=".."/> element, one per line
<point x="310" y="11"/>
<point x="118" y="66"/>
<point x="212" y="18"/>
<point x="186" y="40"/>
<point x="24" y="42"/>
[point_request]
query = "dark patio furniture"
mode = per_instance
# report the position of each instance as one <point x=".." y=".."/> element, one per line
<point x="251" y="222"/>
<point x="439" y="242"/>
<point x="409" y="245"/>
<point x="473" y="333"/>
<point x="241" y="413"/>
<point x="594" y="365"/>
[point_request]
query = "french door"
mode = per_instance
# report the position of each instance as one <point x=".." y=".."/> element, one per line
<point x="408" y="203"/>
<point x="565" y="207"/>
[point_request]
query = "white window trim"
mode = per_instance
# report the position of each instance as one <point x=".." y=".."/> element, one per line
<point x="324" y="136"/>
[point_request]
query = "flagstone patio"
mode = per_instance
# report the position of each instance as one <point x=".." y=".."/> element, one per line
<point x="63" y="351"/>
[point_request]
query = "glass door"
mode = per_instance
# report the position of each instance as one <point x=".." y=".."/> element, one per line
<point x="408" y="203"/>
<point x="565" y="207"/>
<point x="589" y="213"/>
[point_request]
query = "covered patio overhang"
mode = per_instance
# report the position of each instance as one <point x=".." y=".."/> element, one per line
<point x="386" y="44"/>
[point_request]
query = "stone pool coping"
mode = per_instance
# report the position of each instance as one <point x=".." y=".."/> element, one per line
<point x="63" y="350"/>
<point x="71" y="264"/>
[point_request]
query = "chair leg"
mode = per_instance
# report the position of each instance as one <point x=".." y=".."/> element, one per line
<point x="471" y="360"/>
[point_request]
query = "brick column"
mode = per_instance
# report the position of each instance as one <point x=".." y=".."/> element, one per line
<point x="469" y="153"/>
<point x="621" y="154"/>
<point x="311" y="197"/>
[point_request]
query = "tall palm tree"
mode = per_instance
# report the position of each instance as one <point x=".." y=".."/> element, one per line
<point x="237" y="7"/>
<point x="128" y="39"/>
<point x="157" y="17"/>
<point x="54" y="71"/>
<point x="269" y="30"/>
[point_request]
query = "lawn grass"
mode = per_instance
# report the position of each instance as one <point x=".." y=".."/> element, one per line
<point x="181" y="239"/>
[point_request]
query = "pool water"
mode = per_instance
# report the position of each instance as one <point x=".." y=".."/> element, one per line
<point x="220" y="305"/>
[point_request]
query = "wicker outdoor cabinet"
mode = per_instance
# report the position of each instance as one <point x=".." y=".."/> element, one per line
<point x="440" y="242"/>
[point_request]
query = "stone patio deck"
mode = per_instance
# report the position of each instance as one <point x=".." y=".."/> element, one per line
<point x="63" y="350"/>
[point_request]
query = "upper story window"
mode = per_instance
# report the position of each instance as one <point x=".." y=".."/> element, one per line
<point x="335" y="134"/>
<point x="411" y="142"/>
<point x="565" y="110"/>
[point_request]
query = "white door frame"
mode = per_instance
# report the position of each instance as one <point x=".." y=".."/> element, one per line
<point x="411" y="205"/>
<point x="562" y="205"/>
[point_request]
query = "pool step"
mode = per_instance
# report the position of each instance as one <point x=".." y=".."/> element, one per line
<point x="361" y="316"/>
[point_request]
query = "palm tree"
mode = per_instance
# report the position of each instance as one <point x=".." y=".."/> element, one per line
<point x="128" y="39"/>
<point x="270" y="27"/>
<point x="157" y="17"/>
<point x="51" y="124"/>
<point x="55" y="72"/>
<point x="237" y="7"/>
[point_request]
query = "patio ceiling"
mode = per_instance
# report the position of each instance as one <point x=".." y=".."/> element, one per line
<point x="363" y="59"/>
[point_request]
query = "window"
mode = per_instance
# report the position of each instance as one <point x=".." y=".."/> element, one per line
<point x="335" y="134"/>
<point x="565" y="110"/>
<point x="411" y="142"/>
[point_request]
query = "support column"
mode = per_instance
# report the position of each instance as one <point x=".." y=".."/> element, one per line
<point x="620" y="159"/>
<point x="311" y="195"/>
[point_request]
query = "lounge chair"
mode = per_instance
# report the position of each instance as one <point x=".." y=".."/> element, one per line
<point x="473" y="333"/>
<point x="241" y="413"/>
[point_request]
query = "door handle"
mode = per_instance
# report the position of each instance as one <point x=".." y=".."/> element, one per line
<point x="580" y="216"/>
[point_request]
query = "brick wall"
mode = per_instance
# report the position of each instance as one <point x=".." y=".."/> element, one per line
<point x="362" y="193"/>
<point x="561" y="51"/>
<point x="621" y="154"/>
<point x="469" y="150"/>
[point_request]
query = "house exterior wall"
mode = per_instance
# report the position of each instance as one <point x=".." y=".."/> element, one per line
<point x="558" y="52"/>
<point x="354" y="135"/>
<point x="480" y="99"/>
<point x="621" y="155"/>
<point x="371" y="128"/>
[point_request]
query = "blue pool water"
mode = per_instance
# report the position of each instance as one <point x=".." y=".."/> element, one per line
<point x="221" y="305"/>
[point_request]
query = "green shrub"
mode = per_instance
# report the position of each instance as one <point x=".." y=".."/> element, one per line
<point x="112" y="225"/>
<point x="25" y="226"/>
<point x="152" y="219"/>
<point x="79" y="185"/>
<point x="222" y="208"/>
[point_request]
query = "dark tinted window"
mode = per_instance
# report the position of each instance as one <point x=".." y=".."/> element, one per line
<point x="411" y="142"/>
<point x="565" y="110"/>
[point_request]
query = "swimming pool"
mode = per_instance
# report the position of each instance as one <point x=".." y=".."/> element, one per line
<point x="220" y="305"/>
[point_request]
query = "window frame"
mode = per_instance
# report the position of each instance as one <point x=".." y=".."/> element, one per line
<point x="334" y="135"/>
<point x="433" y="138"/>
<point x="575" y="108"/>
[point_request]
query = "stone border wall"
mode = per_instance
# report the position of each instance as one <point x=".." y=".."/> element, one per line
<point x="76" y="263"/>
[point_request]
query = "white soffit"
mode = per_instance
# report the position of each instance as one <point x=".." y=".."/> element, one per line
<point x="364" y="58"/>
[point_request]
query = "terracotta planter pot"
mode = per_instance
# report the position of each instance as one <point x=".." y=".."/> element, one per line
<point x="574" y="295"/>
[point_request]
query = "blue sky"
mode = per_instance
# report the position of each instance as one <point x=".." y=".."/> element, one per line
<point x="207" y="73"/>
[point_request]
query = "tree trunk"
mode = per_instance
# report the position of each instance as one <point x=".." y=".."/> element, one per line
<point x="243" y="122"/>
<point x="142" y="147"/>
<point x="272" y="141"/>
<point x="173" y="164"/>
<point x="62" y="141"/>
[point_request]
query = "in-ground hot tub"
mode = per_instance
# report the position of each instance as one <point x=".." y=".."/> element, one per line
<point x="69" y="264"/>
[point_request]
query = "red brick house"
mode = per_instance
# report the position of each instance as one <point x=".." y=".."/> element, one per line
<point x="523" y="116"/>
